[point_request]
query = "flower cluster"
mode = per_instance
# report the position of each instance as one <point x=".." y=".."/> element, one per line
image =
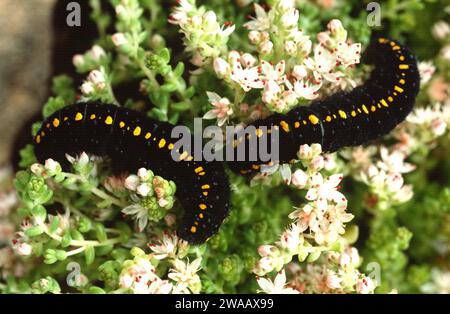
<point x="318" y="225"/>
<point x="338" y="274"/>
<point x="204" y="37"/>
<point x="385" y="179"/>
<point x="153" y="197"/>
<point x="283" y="82"/>
<point x="139" y="275"/>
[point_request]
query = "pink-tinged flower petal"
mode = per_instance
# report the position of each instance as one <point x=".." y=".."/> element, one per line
<point x="334" y="180"/>
<point x="322" y="204"/>
<point x="312" y="194"/>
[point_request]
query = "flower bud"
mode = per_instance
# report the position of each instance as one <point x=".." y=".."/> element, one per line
<point x="248" y="60"/>
<point x="290" y="18"/>
<point x="221" y="67"/>
<point x="254" y="37"/>
<point x="78" y="60"/>
<point x="317" y="163"/>
<point x="210" y="18"/>
<point x="333" y="281"/>
<point x="143" y="189"/>
<point x="441" y="30"/>
<point x="97" y="78"/>
<point x="24" y="249"/>
<point x="365" y="286"/>
<point x="305" y="152"/>
<point x="51" y="165"/>
<point x="290" y="47"/>
<point x="163" y="202"/>
<point x="286" y="4"/>
<point x="132" y="182"/>
<point x="299" y="179"/>
<point x="83" y="159"/>
<point x="143" y="174"/>
<point x="121" y="11"/>
<point x="87" y="88"/>
<point x="335" y="26"/>
<point x="438" y="126"/>
<point x="119" y="39"/>
<point x="97" y="52"/>
<point x="266" y="250"/>
<point x="264" y="36"/>
<point x="299" y="72"/>
<point x="37" y="169"/>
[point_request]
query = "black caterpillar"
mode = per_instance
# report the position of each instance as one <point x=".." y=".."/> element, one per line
<point x="132" y="140"/>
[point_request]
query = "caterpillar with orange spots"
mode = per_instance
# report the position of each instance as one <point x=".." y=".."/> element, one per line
<point x="349" y="118"/>
<point x="132" y="140"/>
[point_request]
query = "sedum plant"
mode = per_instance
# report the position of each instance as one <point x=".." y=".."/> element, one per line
<point x="362" y="220"/>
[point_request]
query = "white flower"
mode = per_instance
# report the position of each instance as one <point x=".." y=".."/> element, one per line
<point x="440" y="282"/>
<point x="299" y="72"/>
<point x="333" y="281"/>
<point x="290" y="47"/>
<point x="160" y="287"/>
<point x="221" y="67"/>
<point x="278" y="286"/>
<point x="78" y="60"/>
<point x="248" y="60"/>
<point x="426" y="70"/>
<point x="306" y="217"/>
<point x="97" y="52"/>
<point x="140" y="214"/>
<point x="305" y="89"/>
<point x="307" y="152"/>
<point x="266" y="250"/>
<point x="286" y="4"/>
<point x="163" y="202"/>
<point x="261" y="22"/>
<point x="321" y="190"/>
<point x="143" y="174"/>
<point x="119" y="39"/>
<point x="254" y="37"/>
<point x="329" y="162"/>
<point x="291" y="239"/>
<point x="438" y="126"/>
<point x="365" y="286"/>
<point x="335" y="26"/>
<point x="143" y="189"/>
<point x="23" y="249"/>
<point x="266" y="47"/>
<point x="51" y="165"/>
<point x="37" y="169"/>
<point x="180" y="15"/>
<point x="348" y="54"/>
<point x="246" y="77"/>
<point x="441" y="30"/>
<point x="168" y="246"/>
<point x="290" y="18"/>
<point x="138" y="276"/>
<point x="222" y="108"/>
<point x="445" y="53"/>
<point x="87" y="88"/>
<point x="323" y="65"/>
<point x="299" y="179"/>
<point x="274" y="74"/>
<point x="394" y="161"/>
<point x="185" y="275"/>
<point x="97" y="78"/>
<point x="132" y="182"/>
